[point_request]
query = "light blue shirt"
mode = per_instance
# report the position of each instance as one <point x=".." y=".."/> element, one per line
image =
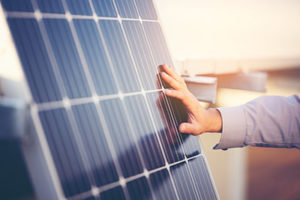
<point x="268" y="121"/>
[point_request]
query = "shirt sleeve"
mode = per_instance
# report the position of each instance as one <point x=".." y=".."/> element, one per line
<point x="269" y="121"/>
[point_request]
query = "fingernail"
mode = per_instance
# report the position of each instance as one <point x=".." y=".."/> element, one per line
<point x="163" y="74"/>
<point x="168" y="91"/>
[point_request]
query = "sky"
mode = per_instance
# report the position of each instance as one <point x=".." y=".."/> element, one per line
<point x="231" y="29"/>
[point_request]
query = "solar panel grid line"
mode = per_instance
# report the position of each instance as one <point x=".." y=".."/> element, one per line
<point x="84" y="100"/>
<point x="144" y="117"/>
<point x="139" y="151"/>
<point x="53" y="170"/>
<point x="136" y="72"/>
<point x="153" y="159"/>
<point x="95" y="99"/>
<point x="205" y="196"/>
<point x="192" y="179"/>
<point x="210" y="177"/>
<point x="153" y="59"/>
<point x="105" y="47"/>
<point x="133" y="134"/>
<point x="135" y="66"/>
<point x="46" y="151"/>
<point x="174" y="156"/>
<point x="41" y="138"/>
<point x="74" y="125"/>
<point x="16" y="14"/>
<point x="148" y="104"/>
<point x="148" y="43"/>
<point x="172" y="115"/>
<point x="91" y="85"/>
<point x="129" y="179"/>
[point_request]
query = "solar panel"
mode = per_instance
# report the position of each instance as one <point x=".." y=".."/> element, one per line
<point x="105" y="127"/>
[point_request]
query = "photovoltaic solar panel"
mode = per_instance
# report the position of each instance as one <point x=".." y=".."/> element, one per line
<point x="97" y="102"/>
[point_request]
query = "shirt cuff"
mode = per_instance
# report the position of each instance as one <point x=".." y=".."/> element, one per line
<point x="233" y="128"/>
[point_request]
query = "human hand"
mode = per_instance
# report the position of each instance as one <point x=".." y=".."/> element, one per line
<point x="200" y="120"/>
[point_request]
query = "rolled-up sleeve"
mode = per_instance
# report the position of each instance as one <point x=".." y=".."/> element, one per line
<point x="269" y="121"/>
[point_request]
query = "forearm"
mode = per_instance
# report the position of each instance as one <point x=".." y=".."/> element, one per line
<point x="271" y="121"/>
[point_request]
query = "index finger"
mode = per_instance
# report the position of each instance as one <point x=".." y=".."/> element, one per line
<point x="171" y="72"/>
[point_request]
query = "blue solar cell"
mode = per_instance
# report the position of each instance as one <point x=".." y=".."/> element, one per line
<point x="90" y="198"/>
<point x="79" y="7"/>
<point x="53" y="6"/>
<point x="94" y="143"/>
<point x="105" y="8"/>
<point x="191" y="145"/>
<point x="142" y="54"/>
<point x="63" y="146"/>
<point x="146" y="9"/>
<point x="202" y="180"/>
<point x="166" y="129"/>
<point x="139" y="189"/>
<point x="17" y="5"/>
<point x="145" y="132"/>
<point x="115" y="193"/>
<point x="183" y="181"/>
<point x="126" y="8"/>
<point x="120" y="56"/>
<point x="67" y="58"/>
<point x="158" y="44"/>
<point x="122" y="137"/>
<point x="34" y="58"/>
<point x="96" y="59"/>
<point x="162" y="185"/>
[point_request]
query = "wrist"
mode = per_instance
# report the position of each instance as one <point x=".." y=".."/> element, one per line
<point x="214" y="120"/>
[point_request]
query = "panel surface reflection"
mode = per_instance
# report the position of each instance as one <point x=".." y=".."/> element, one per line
<point x="63" y="146"/>
<point x="157" y="43"/>
<point x="183" y="181"/>
<point x="104" y="8"/>
<point x="146" y="9"/>
<point x="33" y="54"/>
<point x="53" y="6"/>
<point x="162" y="185"/>
<point x="97" y="61"/>
<point x="115" y="193"/>
<point x="120" y="56"/>
<point x="126" y="9"/>
<point x="67" y="58"/>
<point x="202" y="179"/>
<point x="141" y="54"/>
<point x="122" y="137"/>
<point x="146" y="135"/>
<point x="166" y="129"/>
<point x="79" y="7"/>
<point x="139" y="189"/>
<point x="17" y="5"/>
<point x="95" y="145"/>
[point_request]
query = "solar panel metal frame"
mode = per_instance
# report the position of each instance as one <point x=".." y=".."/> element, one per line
<point x="37" y="152"/>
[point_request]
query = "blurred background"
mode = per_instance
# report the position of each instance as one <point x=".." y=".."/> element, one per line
<point x="252" y="47"/>
<point x="237" y="41"/>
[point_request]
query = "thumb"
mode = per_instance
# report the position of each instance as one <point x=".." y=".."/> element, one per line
<point x="189" y="128"/>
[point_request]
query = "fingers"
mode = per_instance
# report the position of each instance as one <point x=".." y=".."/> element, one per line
<point x="188" y="128"/>
<point x="175" y="93"/>
<point x="171" y="72"/>
<point x="171" y="81"/>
